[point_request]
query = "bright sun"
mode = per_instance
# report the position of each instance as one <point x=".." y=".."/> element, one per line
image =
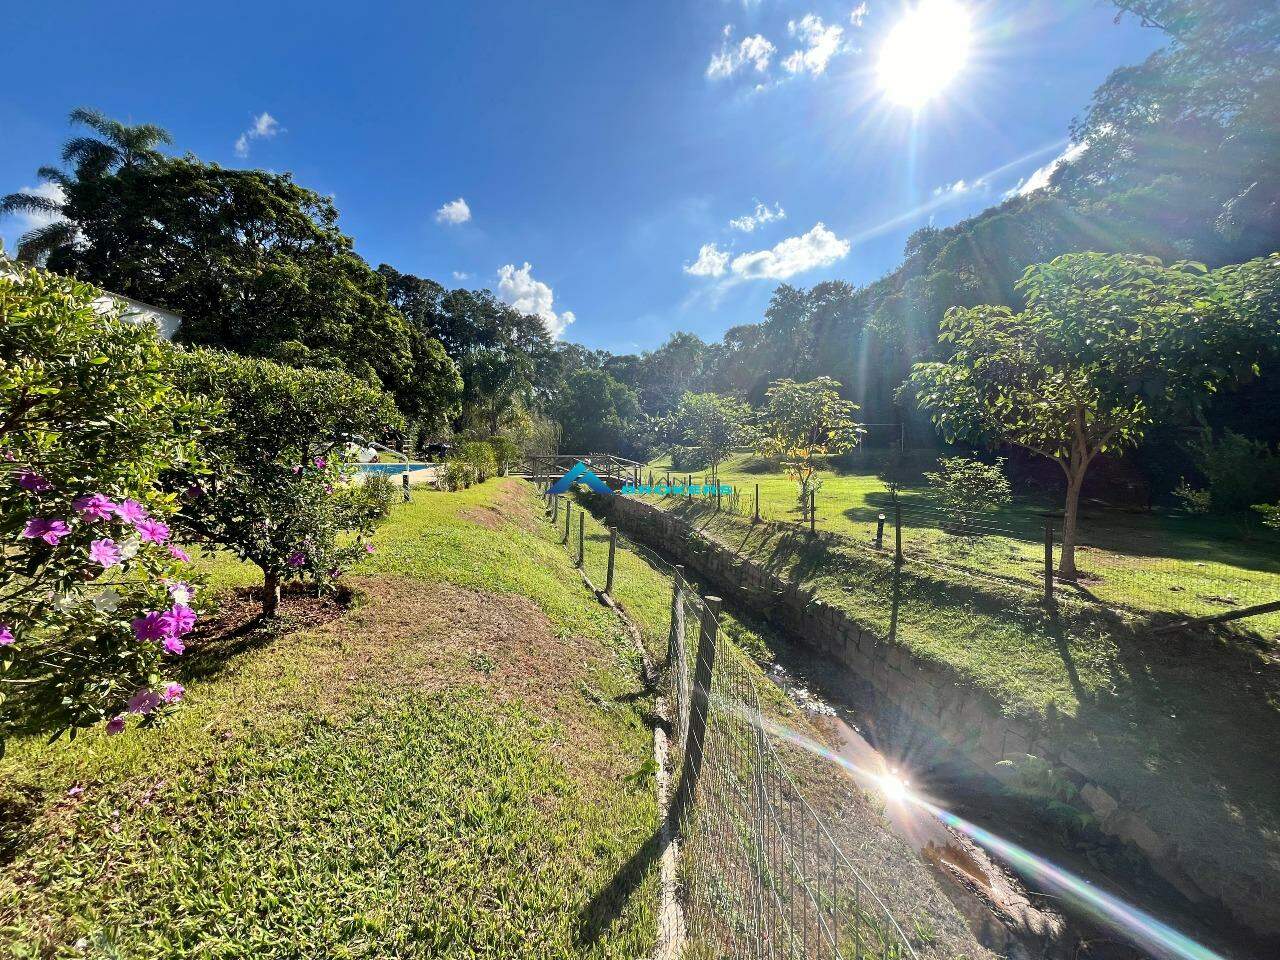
<point x="924" y="52"/>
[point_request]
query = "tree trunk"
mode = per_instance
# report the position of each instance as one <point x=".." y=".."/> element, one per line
<point x="1067" y="559"/>
<point x="270" y="594"/>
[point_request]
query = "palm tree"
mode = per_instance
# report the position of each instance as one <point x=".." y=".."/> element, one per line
<point x="117" y="146"/>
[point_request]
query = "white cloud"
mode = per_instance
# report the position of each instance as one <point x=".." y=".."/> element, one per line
<point x="754" y="51"/>
<point x="758" y="217"/>
<point x="1039" y="178"/>
<point x="518" y="288"/>
<point x="711" y="262"/>
<point x="817" y="248"/>
<point x="454" y="212"/>
<point x="959" y="187"/>
<point x="461" y="275"/>
<point x="264" y="127"/>
<point x="822" y="42"/>
<point x="858" y="14"/>
<point x="34" y="220"/>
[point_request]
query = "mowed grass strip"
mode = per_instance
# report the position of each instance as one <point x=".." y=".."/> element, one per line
<point x="457" y="767"/>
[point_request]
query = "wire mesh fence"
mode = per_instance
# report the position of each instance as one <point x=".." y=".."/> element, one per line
<point x="761" y="873"/>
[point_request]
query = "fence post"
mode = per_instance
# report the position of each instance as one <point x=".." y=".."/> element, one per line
<point x="582" y="527"/>
<point x="717" y="483"/>
<point x="1048" y="560"/>
<point x="699" y="705"/>
<point x="897" y="532"/>
<point x="880" y="532"/>
<point x="568" y="515"/>
<point x="613" y="545"/>
<point x="555" y="505"/>
<point x="756" y="519"/>
<point x="813" y="510"/>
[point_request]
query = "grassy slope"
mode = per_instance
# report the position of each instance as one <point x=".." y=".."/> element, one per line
<point x="894" y="870"/>
<point x="1153" y="712"/>
<point x="448" y="770"/>
<point x="1152" y="561"/>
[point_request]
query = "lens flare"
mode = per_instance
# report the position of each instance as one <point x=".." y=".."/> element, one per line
<point x="1140" y="927"/>
<point x="924" y="52"/>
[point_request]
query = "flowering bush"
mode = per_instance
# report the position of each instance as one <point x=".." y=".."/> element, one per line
<point x="274" y="465"/>
<point x="94" y="603"/>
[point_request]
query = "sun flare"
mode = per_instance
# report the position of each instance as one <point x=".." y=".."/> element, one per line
<point x="924" y="52"/>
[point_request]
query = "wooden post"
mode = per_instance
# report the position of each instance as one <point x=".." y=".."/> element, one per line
<point x="757" y="513"/>
<point x="717" y="483"/>
<point x="582" y="528"/>
<point x="897" y="533"/>
<point x="568" y="513"/>
<point x="699" y="706"/>
<point x="1048" y="560"/>
<point x="555" y="508"/>
<point x="813" y="510"/>
<point x="613" y="546"/>
<point x="880" y="532"/>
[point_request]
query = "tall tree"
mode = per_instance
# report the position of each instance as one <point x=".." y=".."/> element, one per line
<point x="1106" y="345"/>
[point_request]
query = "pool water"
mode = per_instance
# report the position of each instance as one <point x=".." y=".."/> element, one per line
<point x="389" y="467"/>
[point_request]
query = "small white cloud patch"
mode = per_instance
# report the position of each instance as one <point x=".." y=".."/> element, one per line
<point x="858" y="14"/>
<point x="1039" y="179"/>
<point x="517" y="287"/>
<point x="959" y="187"/>
<point x="711" y="262"/>
<point x="461" y="275"/>
<point x="822" y="42"/>
<point x="761" y="215"/>
<point x="754" y="51"/>
<point x="264" y="127"/>
<point x="34" y="220"/>
<point x="454" y="212"/>
<point x="817" y="248"/>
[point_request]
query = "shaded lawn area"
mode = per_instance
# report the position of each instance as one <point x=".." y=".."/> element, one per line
<point x="1154" y="561"/>
<point x="454" y="767"/>
<point x="1181" y="726"/>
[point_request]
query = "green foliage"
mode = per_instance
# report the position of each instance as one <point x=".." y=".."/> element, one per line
<point x="802" y="424"/>
<point x="275" y="462"/>
<point x="711" y="424"/>
<point x="89" y="419"/>
<point x="479" y="454"/>
<point x="1105" y="344"/>
<point x="596" y="413"/>
<point x="1270" y="513"/>
<point x="1240" y="471"/>
<point x="505" y="452"/>
<point x="368" y="501"/>
<point x="968" y="488"/>
<point x="457" y="474"/>
<point x="1193" y="499"/>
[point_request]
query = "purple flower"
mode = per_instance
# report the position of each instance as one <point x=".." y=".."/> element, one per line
<point x="50" y="531"/>
<point x="105" y="553"/>
<point x="174" y="645"/>
<point x="75" y="791"/>
<point x="173" y="693"/>
<point x="6" y="635"/>
<point x="181" y="619"/>
<point x="321" y="463"/>
<point x="194" y="491"/>
<point x="94" y="506"/>
<point x="32" y="482"/>
<point x="368" y="548"/>
<point x="144" y="701"/>
<point x="181" y="592"/>
<point x="115" y="725"/>
<point x="178" y="553"/>
<point x="328" y="488"/>
<point x="296" y="469"/>
<point x="153" y="626"/>
<point x="153" y="530"/>
<point x="296" y="559"/>
<point x="131" y="511"/>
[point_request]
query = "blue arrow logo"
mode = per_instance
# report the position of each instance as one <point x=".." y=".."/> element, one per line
<point x="580" y="471"/>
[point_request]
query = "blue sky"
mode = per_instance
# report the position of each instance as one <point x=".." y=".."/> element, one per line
<point x="606" y="145"/>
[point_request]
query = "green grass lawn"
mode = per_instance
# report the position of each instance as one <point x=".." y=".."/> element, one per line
<point x="1147" y="561"/>
<point x="455" y="767"/>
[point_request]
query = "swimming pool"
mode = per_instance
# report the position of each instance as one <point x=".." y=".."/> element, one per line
<point x="389" y="467"/>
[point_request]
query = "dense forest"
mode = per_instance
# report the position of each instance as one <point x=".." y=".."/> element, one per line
<point x="1177" y="157"/>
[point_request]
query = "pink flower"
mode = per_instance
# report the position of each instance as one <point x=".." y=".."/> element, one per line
<point x="94" y="506"/>
<point x="105" y="553"/>
<point x="296" y="559"/>
<point x="115" y="725"/>
<point x="50" y="531"/>
<point x="321" y="463"/>
<point x="75" y="791"/>
<point x="6" y="635"/>
<point x="144" y="701"/>
<point x="153" y="530"/>
<point x="181" y="592"/>
<point x="181" y="619"/>
<point x="173" y="693"/>
<point x="328" y="488"/>
<point x="153" y="626"/>
<point x="174" y="645"/>
<point x="32" y="482"/>
<point x="368" y="548"/>
<point x="131" y="511"/>
<point x="178" y="553"/>
<point x="296" y="470"/>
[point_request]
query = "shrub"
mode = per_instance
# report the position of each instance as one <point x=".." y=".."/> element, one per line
<point x="1193" y="500"/>
<point x="457" y="474"/>
<point x="968" y="488"/>
<point x="92" y="603"/>
<point x="275" y="462"/>
<point x="1270" y="514"/>
<point x="1240" y="471"/>
<point x="479" y="454"/>
<point x="367" y="502"/>
<point x="688" y="459"/>
<point x="505" y="452"/>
